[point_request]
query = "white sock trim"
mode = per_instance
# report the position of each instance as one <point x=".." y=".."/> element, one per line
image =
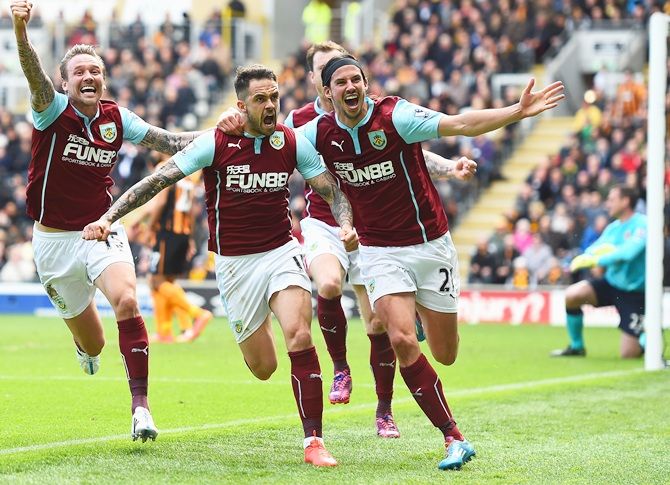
<point x="307" y="441"/>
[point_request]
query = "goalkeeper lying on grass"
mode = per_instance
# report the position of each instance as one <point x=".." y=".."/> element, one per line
<point x="620" y="250"/>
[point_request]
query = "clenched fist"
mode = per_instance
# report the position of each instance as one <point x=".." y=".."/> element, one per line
<point x="21" y="10"/>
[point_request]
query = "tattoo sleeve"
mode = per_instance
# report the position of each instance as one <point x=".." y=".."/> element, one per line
<point x="144" y="190"/>
<point x="42" y="90"/>
<point x="438" y="166"/>
<point x="326" y="187"/>
<point x="166" y="141"/>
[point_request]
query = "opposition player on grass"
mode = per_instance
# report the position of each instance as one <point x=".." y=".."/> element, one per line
<point x="76" y="139"/>
<point x="171" y="222"/>
<point x="329" y="263"/>
<point x="408" y="260"/>
<point x="259" y="265"/>
<point x="620" y="250"/>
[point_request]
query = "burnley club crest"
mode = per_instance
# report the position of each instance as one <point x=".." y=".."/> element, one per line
<point x="277" y="140"/>
<point x="377" y="139"/>
<point x="108" y="132"/>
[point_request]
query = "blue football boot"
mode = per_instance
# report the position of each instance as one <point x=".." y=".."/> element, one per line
<point x="458" y="453"/>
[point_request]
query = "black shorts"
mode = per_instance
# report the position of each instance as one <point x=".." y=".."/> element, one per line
<point x="169" y="255"/>
<point x="629" y="304"/>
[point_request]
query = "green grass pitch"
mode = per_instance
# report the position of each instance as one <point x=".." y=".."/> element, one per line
<point x="532" y="419"/>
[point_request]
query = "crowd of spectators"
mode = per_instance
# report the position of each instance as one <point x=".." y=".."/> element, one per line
<point x="156" y="73"/>
<point x="440" y="54"/>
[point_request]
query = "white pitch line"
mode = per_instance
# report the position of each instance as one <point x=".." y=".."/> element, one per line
<point x="241" y="422"/>
<point x="279" y="382"/>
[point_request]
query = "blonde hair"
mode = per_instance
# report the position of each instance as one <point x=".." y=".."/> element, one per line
<point x="75" y="50"/>
<point x="326" y="46"/>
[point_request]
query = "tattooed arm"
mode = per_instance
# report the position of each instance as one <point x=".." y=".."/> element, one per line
<point x="440" y="167"/>
<point x="42" y="90"/>
<point x="166" y="141"/>
<point x="134" y="197"/>
<point x="324" y="184"/>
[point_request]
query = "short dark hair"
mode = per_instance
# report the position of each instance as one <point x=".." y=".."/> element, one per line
<point x="628" y="192"/>
<point x="326" y="46"/>
<point x="244" y="75"/>
<point x="75" y="50"/>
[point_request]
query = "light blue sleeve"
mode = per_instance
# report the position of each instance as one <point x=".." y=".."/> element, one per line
<point x="309" y="130"/>
<point x="309" y="160"/>
<point x="415" y="123"/>
<point x="289" y="120"/>
<point x="134" y="127"/>
<point x="43" y="120"/>
<point x="607" y="237"/>
<point x="628" y="248"/>
<point x="197" y="154"/>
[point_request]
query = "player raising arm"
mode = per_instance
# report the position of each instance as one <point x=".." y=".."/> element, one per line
<point x="259" y="266"/>
<point x="75" y="143"/>
<point x="408" y="260"/>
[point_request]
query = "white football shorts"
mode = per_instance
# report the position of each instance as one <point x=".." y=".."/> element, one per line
<point x="321" y="238"/>
<point x="69" y="265"/>
<point x="246" y="284"/>
<point x="430" y="270"/>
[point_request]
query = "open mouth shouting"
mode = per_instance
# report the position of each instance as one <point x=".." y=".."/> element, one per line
<point x="88" y="90"/>
<point x="269" y="120"/>
<point x="351" y="100"/>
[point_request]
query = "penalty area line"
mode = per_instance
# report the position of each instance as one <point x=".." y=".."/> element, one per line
<point x="273" y="419"/>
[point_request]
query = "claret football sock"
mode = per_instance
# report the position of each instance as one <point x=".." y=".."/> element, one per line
<point x="333" y="325"/>
<point x="382" y="363"/>
<point x="307" y="389"/>
<point x="426" y="387"/>
<point x="134" y="346"/>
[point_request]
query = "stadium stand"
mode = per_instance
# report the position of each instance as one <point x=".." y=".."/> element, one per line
<point x="444" y="55"/>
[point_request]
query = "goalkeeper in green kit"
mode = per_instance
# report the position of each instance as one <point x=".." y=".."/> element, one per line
<point x="620" y="251"/>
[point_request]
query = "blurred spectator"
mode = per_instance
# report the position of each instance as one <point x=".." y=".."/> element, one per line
<point x="482" y="264"/>
<point x="523" y="237"/>
<point x="136" y="30"/>
<point x="588" y="116"/>
<point x="504" y="268"/>
<point x="555" y="275"/>
<point x="85" y="31"/>
<point x="557" y="241"/>
<point x="497" y="240"/>
<point x="538" y="259"/>
<point x="316" y="18"/>
<point x="593" y="231"/>
<point x="521" y="275"/>
<point x="210" y="36"/>
<point x="235" y="11"/>
<point x="352" y="22"/>
<point x="630" y="97"/>
<point x="19" y="266"/>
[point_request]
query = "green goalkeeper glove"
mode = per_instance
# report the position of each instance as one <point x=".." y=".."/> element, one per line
<point x="603" y="249"/>
<point x="583" y="261"/>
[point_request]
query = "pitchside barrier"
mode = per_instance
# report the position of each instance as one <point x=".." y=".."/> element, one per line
<point x="483" y="305"/>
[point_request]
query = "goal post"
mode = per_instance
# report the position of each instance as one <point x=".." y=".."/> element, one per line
<point x="656" y="129"/>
